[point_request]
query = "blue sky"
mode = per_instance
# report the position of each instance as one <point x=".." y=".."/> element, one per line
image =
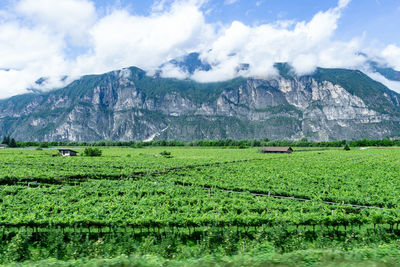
<point x="53" y="38"/>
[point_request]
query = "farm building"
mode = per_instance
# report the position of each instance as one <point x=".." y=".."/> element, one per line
<point x="276" y="149"/>
<point x="3" y="146"/>
<point x="67" y="152"/>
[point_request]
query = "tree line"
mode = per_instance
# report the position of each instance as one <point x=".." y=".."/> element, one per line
<point x="244" y="143"/>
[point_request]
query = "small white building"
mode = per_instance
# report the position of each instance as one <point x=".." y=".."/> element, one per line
<point x="2" y="146"/>
<point x="67" y="152"/>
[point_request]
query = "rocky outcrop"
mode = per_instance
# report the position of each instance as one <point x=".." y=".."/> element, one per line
<point x="128" y="105"/>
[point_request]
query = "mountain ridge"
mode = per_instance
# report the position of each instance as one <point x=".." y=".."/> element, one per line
<point x="330" y="104"/>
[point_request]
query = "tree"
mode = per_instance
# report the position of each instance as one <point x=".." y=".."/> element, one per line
<point x="44" y="145"/>
<point x="92" y="152"/>
<point x="6" y="140"/>
<point x="346" y="147"/>
<point x="12" y="143"/>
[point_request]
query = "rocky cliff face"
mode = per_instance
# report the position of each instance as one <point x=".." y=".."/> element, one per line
<point x="128" y="105"/>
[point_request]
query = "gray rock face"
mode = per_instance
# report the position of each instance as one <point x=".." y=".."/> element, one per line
<point x="127" y="105"/>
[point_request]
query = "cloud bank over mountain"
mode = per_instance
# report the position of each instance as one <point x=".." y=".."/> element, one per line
<point x="46" y="38"/>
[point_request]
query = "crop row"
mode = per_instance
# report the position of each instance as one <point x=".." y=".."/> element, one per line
<point x="363" y="177"/>
<point x="146" y="203"/>
<point x="159" y="200"/>
<point x="31" y="165"/>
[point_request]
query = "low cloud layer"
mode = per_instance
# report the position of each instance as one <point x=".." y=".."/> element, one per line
<point x="46" y="38"/>
<point x="304" y="45"/>
<point x="391" y="54"/>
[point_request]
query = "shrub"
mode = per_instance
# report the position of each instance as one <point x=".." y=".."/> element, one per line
<point x="44" y="145"/>
<point x="166" y="154"/>
<point x="92" y="152"/>
<point x="346" y="147"/>
<point x="138" y="145"/>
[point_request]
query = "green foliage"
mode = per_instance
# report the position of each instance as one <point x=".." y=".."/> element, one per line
<point x="165" y="153"/>
<point x="13" y="143"/>
<point x="44" y="145"/>
<point x="380" y="256"/>
<point x="18" y="248"/>
<point x="204" y="201"/>
<point x="386" y="142"/>
<point x="138" y="145"/>
<point x="244" y="144"/>
<point x="285" y="70"/>
<point x="7" y="140"/>
<point x="346" y="147"/>
<point x="92" y="152"/>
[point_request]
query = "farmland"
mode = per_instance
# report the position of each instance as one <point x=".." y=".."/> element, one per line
<point x="196" y="202"/>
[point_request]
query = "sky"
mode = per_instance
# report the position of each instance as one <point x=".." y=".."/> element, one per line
<point x="58" y="38"/>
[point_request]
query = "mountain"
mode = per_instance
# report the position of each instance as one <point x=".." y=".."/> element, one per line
<point x="330" y="104"/>
<point x="191" y="63"/>
<point x="385" y="71"/>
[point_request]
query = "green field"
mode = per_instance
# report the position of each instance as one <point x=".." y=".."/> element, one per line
<point x="200" y="207"/>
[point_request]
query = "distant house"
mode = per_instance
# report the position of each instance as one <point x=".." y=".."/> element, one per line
<point x="276" y="149"/>
<point x="3" y="146"/>
<point x="67" y="152"/>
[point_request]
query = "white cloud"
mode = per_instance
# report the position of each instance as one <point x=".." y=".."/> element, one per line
<point x="121" y="39"/>
<point x="35" y="36"/>
<point x="27" y="54"/>
<point x="172" y="71"/>
<point x="159" y="5"/>
<point x="71" y="18"/>
<point x="305" y="45"/>
<point x="21" y="47"/>
<point x="343" y="3"/>
<point x="392" y="56"/>
<point x="393" y="85"/>
<point x="33" y="42"/>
